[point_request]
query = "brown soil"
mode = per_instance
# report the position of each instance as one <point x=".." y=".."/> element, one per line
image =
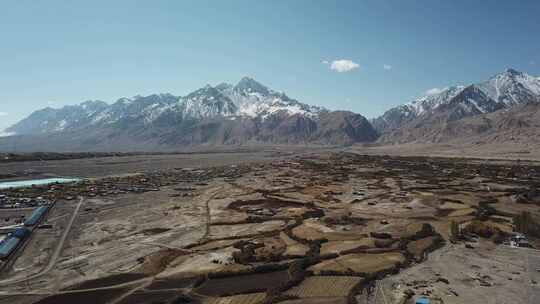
<point x="243" y="283"/>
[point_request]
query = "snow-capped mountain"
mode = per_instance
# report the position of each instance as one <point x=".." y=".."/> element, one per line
<point x="503" y="90"/>
<point x="254" y="99"/>
<point x="222" y="114"/>
<point x="511" y="87"/>
<point x="143" y="108"/>
<point x="50" y="120"/>
<point x="207" y="102"/>
<point x="399" y="115"/>
<point x="246" y="99"/>
<point x="430" y="118"/>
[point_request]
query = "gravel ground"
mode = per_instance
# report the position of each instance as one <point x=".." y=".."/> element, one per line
<point x="486" y="274"/>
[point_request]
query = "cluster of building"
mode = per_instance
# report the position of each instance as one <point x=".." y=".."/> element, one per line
<point x="518" y="240"/>
<point x="16" y="237"/>
<point x="8" y="202"/>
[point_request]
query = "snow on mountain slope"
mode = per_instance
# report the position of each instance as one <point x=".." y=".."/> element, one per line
<point x="430" y="102"/>
<point x="56" y="120"/>
<point x="247" y="112"/>
<point x="253" y="99"/>
<point x="509" y="88"/>
<point x="402" y="114"/>
<point x="144" y="108"/>
<point x="3" y="133"/>
<point x="207" y="102"/>
<point x="248" y="98"/>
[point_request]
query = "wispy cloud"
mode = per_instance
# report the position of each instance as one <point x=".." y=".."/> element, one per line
<point x="434" y="91"/>
<point x="3" y="114"/>
<point x="387" y="67"/>
<point x="342" y="65"/>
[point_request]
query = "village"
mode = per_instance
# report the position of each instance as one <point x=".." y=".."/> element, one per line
<point x="377" y="229"/>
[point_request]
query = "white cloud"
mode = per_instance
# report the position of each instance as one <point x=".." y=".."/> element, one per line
<point x="387" y="67"/>
<point x="3" y="114"/>
<point x="342" y="65"/>
<point x="325" y="62"/>
<point x="434" y="91"/>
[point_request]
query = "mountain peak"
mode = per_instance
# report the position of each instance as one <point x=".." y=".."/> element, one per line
<point x="513" y="72"/>
<point x="250" y="85"/>
<point x="93" y="104"/>
<point x="224" y="86"/>
<point x="207" y="91"/>
<point x="247" y="79"/>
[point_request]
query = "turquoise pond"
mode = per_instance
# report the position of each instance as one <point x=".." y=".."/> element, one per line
<point x="37" y="182"/>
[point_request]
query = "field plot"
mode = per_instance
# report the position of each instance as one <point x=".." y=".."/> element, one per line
<point x="172" y="283"/>
<point x="108" y="281"/>
<point x="223" y="231"/>
<point x="360" y="263"/>
<point x="294" y="248"/>
<point x="243" y="283"/>
<point x="419" y="247"/>
<point x="322" y="222"/>
<point x="342" y="246"/>
<point x="87" y="297"/>
<point x="154" y="296"/>
<point x="324" y="300"/>
<point x="324" y="286"/>
<point x="252" y="298"/>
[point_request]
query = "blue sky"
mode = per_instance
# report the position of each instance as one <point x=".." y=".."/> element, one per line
<point x="65" y="52"/>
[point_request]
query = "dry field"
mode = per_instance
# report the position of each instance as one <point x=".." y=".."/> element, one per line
<point x="325" y="286"/>
<point x="306" y="228"/>
<point x="252" y="298"/>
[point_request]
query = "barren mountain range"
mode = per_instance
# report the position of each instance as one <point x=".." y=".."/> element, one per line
<point x="503" y="108"/>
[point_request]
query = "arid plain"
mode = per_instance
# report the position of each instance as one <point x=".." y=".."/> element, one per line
<point x="277" y="227"/>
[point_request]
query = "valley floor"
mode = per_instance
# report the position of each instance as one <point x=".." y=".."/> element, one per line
<point x="494" y="151"/>
<point x="299" y="227"/>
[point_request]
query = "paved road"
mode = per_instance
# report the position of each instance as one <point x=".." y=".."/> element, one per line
<point x="56" y="253"/>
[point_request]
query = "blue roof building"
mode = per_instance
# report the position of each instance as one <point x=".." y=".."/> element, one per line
<point x="422" y="300"/>
<point x="7" y="247"/>
<point x="36" y="215"/>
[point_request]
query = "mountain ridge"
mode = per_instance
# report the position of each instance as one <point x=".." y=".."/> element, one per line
<point x="429" y="114"/>
<point x="225" y="114"/>
<point x="250" y="113"/>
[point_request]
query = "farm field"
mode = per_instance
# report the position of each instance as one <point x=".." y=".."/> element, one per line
<point x="325" y="287"/>
<point x="300" y="228"/>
